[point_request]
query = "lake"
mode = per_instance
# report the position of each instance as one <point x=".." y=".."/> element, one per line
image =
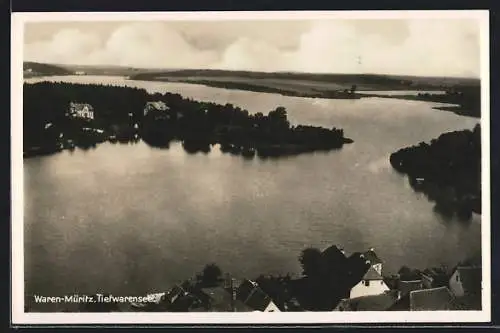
<point x="130" y="219"/>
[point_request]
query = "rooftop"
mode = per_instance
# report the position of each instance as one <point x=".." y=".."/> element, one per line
<point x="221" y="301"/>
<point x="372" y="274"/>
<point x="158" y="105"/>
<point x="431" y="299"/>
<point x="373" y="303"/>
<point x="405" y="287"/>
<point x="251" y="294"/>
<point x="80" y="106"/>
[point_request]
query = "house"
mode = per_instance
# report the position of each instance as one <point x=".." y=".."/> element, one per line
<point x="427" y="281"/>
<point x="380" y="302"/>
<point x="157" y="108"/>
<point x="466" y="281"/>
<point x="372" y="283"/>
<point x="159" y="301"/>
<point x="81" y="110"/>
<point x="173" y="294"/>
<point x="253" y="296"/>
<point x="433" y="299"/>
<point x="374" y="260"/>
<point x="405" y="287"/>
<point x="218" y="299"/>
<point x="79" y="73"/>
<point x="434" y="277"/>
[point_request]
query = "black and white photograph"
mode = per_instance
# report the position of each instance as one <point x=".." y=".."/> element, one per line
<point x="251" y="167"/>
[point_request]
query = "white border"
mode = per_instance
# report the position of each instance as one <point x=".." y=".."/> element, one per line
<point x="17" y="277"/>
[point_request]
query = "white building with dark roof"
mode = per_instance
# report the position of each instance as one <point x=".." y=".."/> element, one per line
<point x="156" y="107"/>
<point x="466" y="281"/>
<point x="371" y="284"/>
<point x="81" y="110"/>
<point x="254" y="297"/>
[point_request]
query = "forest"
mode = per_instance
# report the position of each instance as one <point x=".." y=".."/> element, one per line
<point x="447" y="170"/>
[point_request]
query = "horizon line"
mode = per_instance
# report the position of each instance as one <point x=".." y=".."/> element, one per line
<point x="254" y="71"/>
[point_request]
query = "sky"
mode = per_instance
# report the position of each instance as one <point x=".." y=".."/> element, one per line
<point x="424" y="46"/>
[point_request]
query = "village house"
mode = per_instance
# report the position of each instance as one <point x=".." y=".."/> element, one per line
<point x="219" y="299"/>
<point x="434" y="299"/>
<point x="157" y="108"/>
<point x="380" y="302"/>
<point x="434" y="277"/>
<point x="466" y="284"/>
<point x="465" y="281"/>
<point x="254" y="297"/>
<point x="372" y="282"/>
<point x="405" y="287"/>
<point x="81" y="110"/>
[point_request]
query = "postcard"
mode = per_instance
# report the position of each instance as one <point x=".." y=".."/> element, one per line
<point x="250" y="167"/>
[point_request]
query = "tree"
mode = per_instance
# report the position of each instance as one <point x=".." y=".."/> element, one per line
<point x="211" y="274"/>
<point x="311" y="261"/>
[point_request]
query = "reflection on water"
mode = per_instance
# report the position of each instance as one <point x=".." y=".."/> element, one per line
<point x="128" y="219"/>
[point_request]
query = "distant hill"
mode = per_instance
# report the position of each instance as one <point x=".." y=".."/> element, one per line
<point x="38" y="69"/>
<point x="363" y="81"/>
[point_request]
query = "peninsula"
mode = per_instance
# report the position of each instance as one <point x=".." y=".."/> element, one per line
<point x="448" y="171"/>
<point x="463" y="94"/>
<point x="63" y="115"/>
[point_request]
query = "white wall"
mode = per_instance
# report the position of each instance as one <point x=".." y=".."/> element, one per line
<point x="378" y="268"/>
<point x="456" y="285"/>
<point x="375" y="287"/>
<point x="272" y="308"/>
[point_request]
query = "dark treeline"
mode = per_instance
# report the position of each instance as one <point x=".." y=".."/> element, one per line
<point x="119" y="117"/>
<point x="467" y="99"/>
<point x="372" y="81"/>
<point x="265" y="87"/>
<point x="448" y="171"/>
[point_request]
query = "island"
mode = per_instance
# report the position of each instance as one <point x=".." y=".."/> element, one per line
<point x="448" y="171"/>
<point x="60" y="116"/>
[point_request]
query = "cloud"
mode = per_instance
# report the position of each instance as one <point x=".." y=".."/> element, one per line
<point x="425" y="47"/>
<point x="65" y="46"/>
<point x="412" y="47"/>
<point x="138" y="44"/>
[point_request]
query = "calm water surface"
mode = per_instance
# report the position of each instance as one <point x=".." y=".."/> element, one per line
<point x="130" y="219"/>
